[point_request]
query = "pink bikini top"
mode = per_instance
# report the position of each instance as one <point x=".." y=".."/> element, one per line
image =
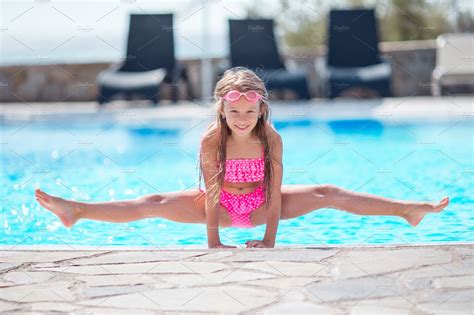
<point x="245" y="170"/>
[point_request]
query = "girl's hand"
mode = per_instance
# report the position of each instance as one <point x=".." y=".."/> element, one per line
<point x="259" y="244"/>
<point x="222" y="246"/>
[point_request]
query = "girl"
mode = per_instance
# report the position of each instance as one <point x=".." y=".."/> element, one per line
<point x="241" y="162"/>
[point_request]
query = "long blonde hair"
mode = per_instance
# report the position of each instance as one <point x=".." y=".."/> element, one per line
<point x="243" y="80"/>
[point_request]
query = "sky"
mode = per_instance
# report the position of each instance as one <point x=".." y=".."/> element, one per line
<point x="44" y="31"/>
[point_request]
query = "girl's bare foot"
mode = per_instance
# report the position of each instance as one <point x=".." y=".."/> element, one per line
<point x="66" y="210"/>
<point x="416" y="211"/>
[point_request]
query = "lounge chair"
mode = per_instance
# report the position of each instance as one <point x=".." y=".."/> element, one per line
<point x="353" y="59"/>
<point x="454" y="72"/>
<point x="150" y="61"/>
<point x="253" y="45"/>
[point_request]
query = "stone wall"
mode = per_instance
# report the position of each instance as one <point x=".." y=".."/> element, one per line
<point x="64" y="82"/>
<point x="412" y="63"/>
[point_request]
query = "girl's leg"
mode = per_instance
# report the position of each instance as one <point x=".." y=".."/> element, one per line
<point x="299" y="200"/>
<point x="182" y="207"/>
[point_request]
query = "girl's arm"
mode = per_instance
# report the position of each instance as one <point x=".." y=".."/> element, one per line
<point x="274" y="209"/>
<point x="209" y="168"/>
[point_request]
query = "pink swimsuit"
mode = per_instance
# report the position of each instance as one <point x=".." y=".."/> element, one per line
<point x="240" y="206"/>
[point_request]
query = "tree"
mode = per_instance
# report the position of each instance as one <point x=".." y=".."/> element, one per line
<point x="304" y="25"/>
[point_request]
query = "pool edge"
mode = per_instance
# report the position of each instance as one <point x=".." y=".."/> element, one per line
<point x="201" y="247"/>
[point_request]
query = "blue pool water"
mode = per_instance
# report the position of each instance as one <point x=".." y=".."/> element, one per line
<point x="100" y="161"/>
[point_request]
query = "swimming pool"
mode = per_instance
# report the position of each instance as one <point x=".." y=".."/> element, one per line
<point x="100" y="160"/>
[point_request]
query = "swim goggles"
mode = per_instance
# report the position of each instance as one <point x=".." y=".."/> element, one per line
<point x="234" y="95"/>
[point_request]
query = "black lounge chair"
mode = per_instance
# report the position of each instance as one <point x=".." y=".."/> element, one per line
<point x="150" y="61"/>
<point x="353" y="56"/>
<point x="253" y="45"/>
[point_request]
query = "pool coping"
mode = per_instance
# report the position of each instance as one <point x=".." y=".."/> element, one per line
<point x="385" y="109"/>
<point x="45" y="247"/>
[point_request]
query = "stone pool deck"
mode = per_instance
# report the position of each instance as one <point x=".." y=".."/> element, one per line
<point x="392" y="279"/>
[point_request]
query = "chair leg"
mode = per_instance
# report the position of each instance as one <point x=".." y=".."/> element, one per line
<point x="388" y="90"/>
<point x="189" y="85"/>
<point x="180" y="72"/>
<point x="103" y="96"/>
<point x="443" y="90"/>
<point x="150" y="94"/>
<point x="101" y="99"/>
<point x="174" y="92"/>
<point x="174" y="81"/>
<point x="303" y="92"/>
<point x="334" y="89"/>
<point x="154" y="96"/>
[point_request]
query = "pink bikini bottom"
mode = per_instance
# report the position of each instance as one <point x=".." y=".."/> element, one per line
<point x="239" y="207"/>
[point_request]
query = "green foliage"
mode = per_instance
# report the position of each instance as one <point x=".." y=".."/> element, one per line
<point x="303" y="24"/>
<point x="413" y="20"/>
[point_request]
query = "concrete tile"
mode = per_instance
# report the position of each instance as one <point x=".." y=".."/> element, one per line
<point x="103" y="291"/>
<point x="87" y="270"/>
<point x="146" y="268"/>
<point x="8" y="306"/>
<point x="293" y="295"/>
<point x="7" y="284"/>
<point x="467" y="262"/>
<point x="355" y="289"/>
<point x="53" y="307"/>
<point x="219" y="256"/>
<point x="298" y="255"/>
<point x="284" y="283"/>
<point x="465" y="251"/>
<point x="43" y="292"/>
<point x="220" y="277"/>
<point x="359" y="263"/>
<point x="222" y="299"/>
<point x="137" y="257"/>
<point x="447" y="308"/>
<point x="41" y="256"/>
<point x="420" y="283"/>
<point x="454" y="282"/>
<point x="26" y="277"/>
<point x="418" y="278"/>
<point x="46" y="265"/>
<point x="116" y="311"/>
<point x="126" y="302"/>
<point x="392" y="305"/>
<point x="7" y="266"/>
<point x="109" y="280"/>
<point x="445" y="296"/>
<point x="286" y="269"/>
<point x="285" y="308"/>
